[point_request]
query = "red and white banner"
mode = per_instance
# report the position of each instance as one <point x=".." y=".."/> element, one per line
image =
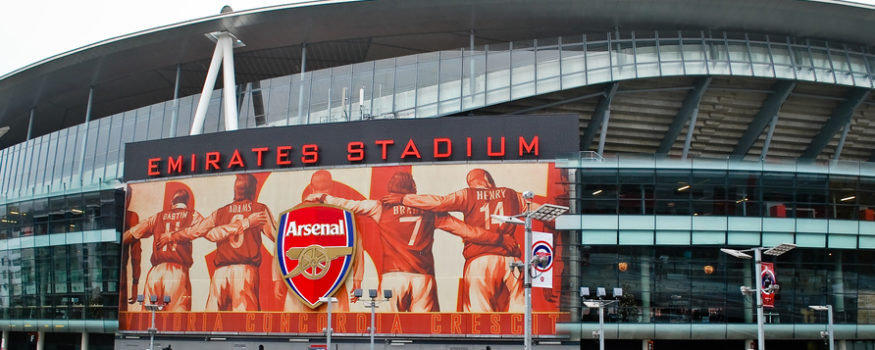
<point x="768" y="279"/>
<point x="542" y="255"/>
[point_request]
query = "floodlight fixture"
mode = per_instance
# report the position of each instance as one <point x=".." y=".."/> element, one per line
<point x="779" y="249"/>
<point x="618" y="292"/>
<point x="829" y="333"/>
<point x="592" y="304"/>
<point x="545" y="212"/>
<point x="758" y="257"/>
<point x="372" y="304"/>
<point x="508" y="219"/>
<point x="736" y="253"/>
<point x="548" y="212"/>
<point x="600" y="304"/>
<point x="328" y="330"/>
<point x="153" y="306"/>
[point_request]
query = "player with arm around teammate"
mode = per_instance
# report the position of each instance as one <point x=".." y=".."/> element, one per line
<point x="236" y="228"/>
<point x="170" y="260"/>
<point x="488" y="276"/>
<point x="407" y="234"/>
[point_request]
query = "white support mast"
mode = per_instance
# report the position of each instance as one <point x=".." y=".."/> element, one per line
<point x="223" y="55"/>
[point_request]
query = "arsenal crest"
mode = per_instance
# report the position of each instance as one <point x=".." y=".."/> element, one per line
<point x="315" y="249"/>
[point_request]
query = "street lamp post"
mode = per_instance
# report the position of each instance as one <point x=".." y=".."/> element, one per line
<point x="545" y="212"/>
<point x="153" y="306"/>
<point x="600" y="304"/>
<point x="372" y="293"/>
<point x="328" y="330"/>
<point x="758" y="260"/>
<point x="829" y="328"/>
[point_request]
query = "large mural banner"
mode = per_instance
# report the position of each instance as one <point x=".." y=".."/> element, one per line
<point x="258" y="252"/>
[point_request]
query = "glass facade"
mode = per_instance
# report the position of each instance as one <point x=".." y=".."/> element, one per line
<point x="709" y="192"/>
<point x="59" y="257"/>
<point x="685" y="284"/>
<point x="426" y="85"/>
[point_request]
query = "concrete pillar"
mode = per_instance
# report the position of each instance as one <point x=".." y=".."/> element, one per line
<point x="4" y="341"/>
<point x="645" y="289"/>
<point x="40" y="340"/>
<point x="84" y="344"/>
<point x="838" y="284"/>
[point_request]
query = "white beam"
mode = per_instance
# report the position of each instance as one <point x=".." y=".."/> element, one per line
<point x="197" y="123"/>
<point x="230" y="98"/>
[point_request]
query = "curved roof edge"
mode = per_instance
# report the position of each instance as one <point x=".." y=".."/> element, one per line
<point x="131" y="71"/>
<point x="170" y="27"/>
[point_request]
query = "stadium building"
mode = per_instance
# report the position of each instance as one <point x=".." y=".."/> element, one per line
<point x="236" y="169"/>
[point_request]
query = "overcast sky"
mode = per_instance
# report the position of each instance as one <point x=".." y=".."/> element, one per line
<point x="33" y="30"/>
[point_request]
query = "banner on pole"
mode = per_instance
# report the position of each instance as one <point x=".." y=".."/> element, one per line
<point x="768" y="278"/>
<point x="542" y="255"/>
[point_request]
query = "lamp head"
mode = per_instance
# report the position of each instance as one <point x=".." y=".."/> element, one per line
<point x="167" y="299"/>
<point x="358" y="293"/>
<point x="372" y="293"/>
<point x="140" y="298"/>
<point x="387" y="294"/>
<point x="153" y="298"/>
<point x="600" y="292"/>
<point x="584" y="292"/>
<point x="528" y="195"/>
<point x="736" y="253"/>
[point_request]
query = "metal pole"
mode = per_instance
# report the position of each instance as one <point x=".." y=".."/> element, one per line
<point x="152" y="329"/>
<point x="601" y="326"/>
<point x="328" y="329"/>
<point x="30" y="124"/>
<point x="528" y="280"/>
<point x="85" y="134"/>
<point x="829" y="328"/>
<point x="373" y="326"/>
<point x="301" y="87"/>
<point x="761" y="338"/>
<point x="174" y="117"/>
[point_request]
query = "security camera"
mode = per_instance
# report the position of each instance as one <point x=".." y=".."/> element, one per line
<point x="528" y="195"/>
<point x="595" y="334"/>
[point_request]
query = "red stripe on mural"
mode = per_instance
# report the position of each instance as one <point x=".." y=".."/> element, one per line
<point x="344" y="323"/>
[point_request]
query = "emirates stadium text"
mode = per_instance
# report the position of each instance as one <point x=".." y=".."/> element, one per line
<point x="309" y="154"/>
